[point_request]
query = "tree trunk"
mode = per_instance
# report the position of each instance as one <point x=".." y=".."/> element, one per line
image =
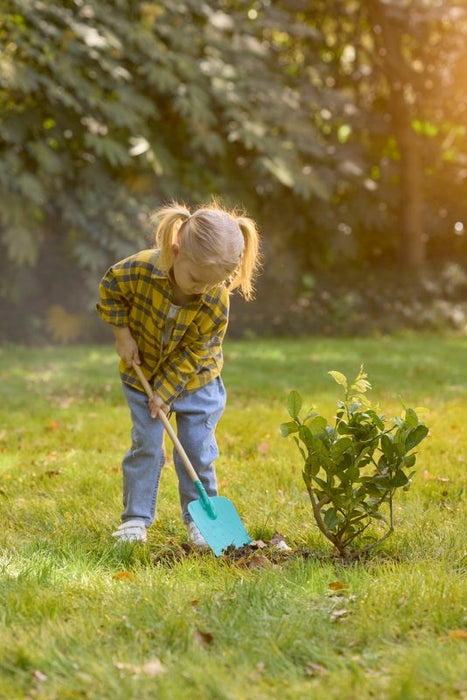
<point x="412" y="236"/>
<point x="412" y="246"/>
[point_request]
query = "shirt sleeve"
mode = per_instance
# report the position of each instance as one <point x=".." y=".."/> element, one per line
<point x="116" y="294"/>
<point x="200" y="351"/>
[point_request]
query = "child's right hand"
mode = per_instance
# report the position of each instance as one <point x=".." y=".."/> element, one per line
<point x="126" y="347"/>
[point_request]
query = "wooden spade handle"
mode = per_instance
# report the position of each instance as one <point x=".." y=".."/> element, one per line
<point x="166" y="423"/>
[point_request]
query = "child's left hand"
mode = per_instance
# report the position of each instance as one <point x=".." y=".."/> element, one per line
<point x="155" y="404"/>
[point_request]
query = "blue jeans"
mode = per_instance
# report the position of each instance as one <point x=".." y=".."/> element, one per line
<point x="197" y="414"/>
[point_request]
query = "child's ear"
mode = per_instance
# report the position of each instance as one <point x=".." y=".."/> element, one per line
<point x="175" y="249"/>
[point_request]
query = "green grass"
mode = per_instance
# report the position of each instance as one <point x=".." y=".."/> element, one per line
<point x="81" y="618"/>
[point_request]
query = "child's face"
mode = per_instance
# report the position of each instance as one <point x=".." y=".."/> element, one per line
<point x="195" y="279"/>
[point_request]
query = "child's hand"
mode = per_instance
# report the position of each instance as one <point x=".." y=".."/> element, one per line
<point x="126" y="347"/>
<point x="156" y="404"/>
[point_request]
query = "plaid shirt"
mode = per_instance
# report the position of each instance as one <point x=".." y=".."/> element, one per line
<point x="136" y="293"/>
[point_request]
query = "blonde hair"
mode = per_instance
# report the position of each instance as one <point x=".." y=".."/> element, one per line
<point x="211" y="235"/>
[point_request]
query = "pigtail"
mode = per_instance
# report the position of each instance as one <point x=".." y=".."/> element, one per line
<point x="251" y="259"/>
<point x="168" y="219"/>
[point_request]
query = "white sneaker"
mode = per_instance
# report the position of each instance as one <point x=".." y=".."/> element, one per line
<point x="131" y="531"/>
<point x="195" y="536"/>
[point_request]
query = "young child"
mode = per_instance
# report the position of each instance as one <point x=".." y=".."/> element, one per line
<point x="168" y="308"/>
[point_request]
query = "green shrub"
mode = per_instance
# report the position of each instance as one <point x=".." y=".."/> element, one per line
<point x="353" y="468"/>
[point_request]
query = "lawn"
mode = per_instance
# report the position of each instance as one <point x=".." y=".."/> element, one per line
<point x="83" y="618"/>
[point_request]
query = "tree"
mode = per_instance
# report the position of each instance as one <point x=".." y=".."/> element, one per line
<point x="385" y="90"/>
<point x="110" y="108"/>
<point x="289" y="108"/>
<point x="421" y="50"/>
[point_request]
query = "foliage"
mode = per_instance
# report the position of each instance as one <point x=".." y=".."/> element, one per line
<point x="109" y="109"/>
<point x="354" y="468"/>
<point x="394" y="71"/>
<point x="359" y="301"/>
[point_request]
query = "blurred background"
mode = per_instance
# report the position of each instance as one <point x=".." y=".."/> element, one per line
<point x="339" y="125"/>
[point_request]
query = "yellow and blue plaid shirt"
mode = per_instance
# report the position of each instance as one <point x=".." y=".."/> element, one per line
<point x="137" y="294"/>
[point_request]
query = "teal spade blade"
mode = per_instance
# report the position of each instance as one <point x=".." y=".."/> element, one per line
<point x="225" y="529"/>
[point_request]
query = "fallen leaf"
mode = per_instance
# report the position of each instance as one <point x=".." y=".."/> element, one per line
<point x="124" y="576"/>
<point x="339" y="614"/>
<point x="258" y="561"/>
<point x="258" y="544"/>
<point x="458" y="634"/>
<point x="125" y="667"/>
<point x="241" y="561"/>
<point x="53" y="425"/>
<point x="314" y="669"/>
<point x="255" y="676"/>
<point x="338" y="585"/>
<point x="428" y="476"/>
<point x="53" y="472"/>
<point x="151" y="668"/>
<point x="39" y="676"/>
<point x="282" y="546"/>
<point x="203" y="638"/>
<point x="278" y="542"/>
<point x="66" y="402"/>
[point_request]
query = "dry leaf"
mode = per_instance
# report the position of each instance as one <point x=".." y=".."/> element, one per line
<point x="255" y="676"/>
<point x="124" y="576"/>
<point x="258" y="544"/>
<point x="150" y="668"/>
<point x="39" y="676"/>
<point x="278" y="542"/>
<point x="313" y="669"/>
<point x="241" y="561"/>
<point x="258" y="562"/>
<point x="203" y="638"/>
<point x="282" y="546"/>
<point x="339" y="614"/>
<point x="66" y="402"/>
<point x="458" y="634"/>
<point x="53" y="472"/>
<point x="125" y="667"/>
<point x="153" y="668"/>
<point x="338" y="585"/>
<point x="428" y="476"/>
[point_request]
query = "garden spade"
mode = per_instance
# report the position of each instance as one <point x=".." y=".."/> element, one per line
<point x="215" y="516"/>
